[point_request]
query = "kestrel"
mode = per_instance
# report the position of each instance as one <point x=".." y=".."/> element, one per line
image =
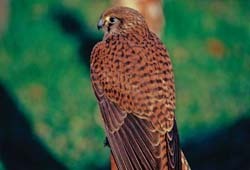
<point x="132" y="77"/>
<point x="150" y="9"/>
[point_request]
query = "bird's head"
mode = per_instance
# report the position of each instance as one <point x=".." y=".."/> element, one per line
<point x="122" y="20"/>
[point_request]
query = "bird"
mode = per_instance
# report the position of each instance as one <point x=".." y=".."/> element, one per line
<point x="132" y="78"/>
<point x="150" y="9"/>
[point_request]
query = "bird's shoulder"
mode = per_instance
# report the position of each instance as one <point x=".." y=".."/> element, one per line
<point x="97" y="49"/>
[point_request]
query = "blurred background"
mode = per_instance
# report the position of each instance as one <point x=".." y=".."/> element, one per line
<point x="49" y="118"/>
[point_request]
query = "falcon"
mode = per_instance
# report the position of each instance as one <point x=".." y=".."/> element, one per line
<point x="132" y="78"/>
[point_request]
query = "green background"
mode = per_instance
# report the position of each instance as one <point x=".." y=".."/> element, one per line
<point x="47" y="75"/>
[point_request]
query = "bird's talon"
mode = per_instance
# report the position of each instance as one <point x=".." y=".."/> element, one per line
<point x="106" y="142"/>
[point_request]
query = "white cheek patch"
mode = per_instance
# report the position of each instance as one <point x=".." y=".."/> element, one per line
<point x="106" y="19"/>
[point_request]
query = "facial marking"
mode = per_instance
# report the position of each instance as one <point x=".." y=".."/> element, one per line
<point x="107" y="19"/>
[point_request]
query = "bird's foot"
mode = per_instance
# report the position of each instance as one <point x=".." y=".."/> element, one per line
<point x="106" y="142"/>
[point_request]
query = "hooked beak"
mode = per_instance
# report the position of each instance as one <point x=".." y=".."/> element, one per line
<point x="100" y="24"/>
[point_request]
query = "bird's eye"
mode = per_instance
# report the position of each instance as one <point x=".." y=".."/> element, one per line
<point x="112" y="20"/>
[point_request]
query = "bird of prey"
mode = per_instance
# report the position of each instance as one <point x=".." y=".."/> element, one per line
<point x="150" y="9"/>
<point x="132" y="77"/>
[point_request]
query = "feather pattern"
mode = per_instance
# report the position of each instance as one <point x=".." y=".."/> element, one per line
<point x="133" y="81"/>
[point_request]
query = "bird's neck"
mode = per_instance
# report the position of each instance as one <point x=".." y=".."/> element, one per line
<point x="135" y="34"/>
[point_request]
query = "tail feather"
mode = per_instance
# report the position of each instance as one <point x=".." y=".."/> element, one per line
<point x="184" y="162"/>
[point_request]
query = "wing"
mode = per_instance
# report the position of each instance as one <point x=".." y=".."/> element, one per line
<point x="135" y="90"/>
<point x="133" y="141"/>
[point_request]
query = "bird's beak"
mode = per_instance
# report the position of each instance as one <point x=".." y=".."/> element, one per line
<point x="100" y="24"/>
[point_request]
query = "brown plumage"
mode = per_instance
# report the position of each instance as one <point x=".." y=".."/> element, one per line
<point x="132" y="78"/>
<point x="150" y="9"/>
